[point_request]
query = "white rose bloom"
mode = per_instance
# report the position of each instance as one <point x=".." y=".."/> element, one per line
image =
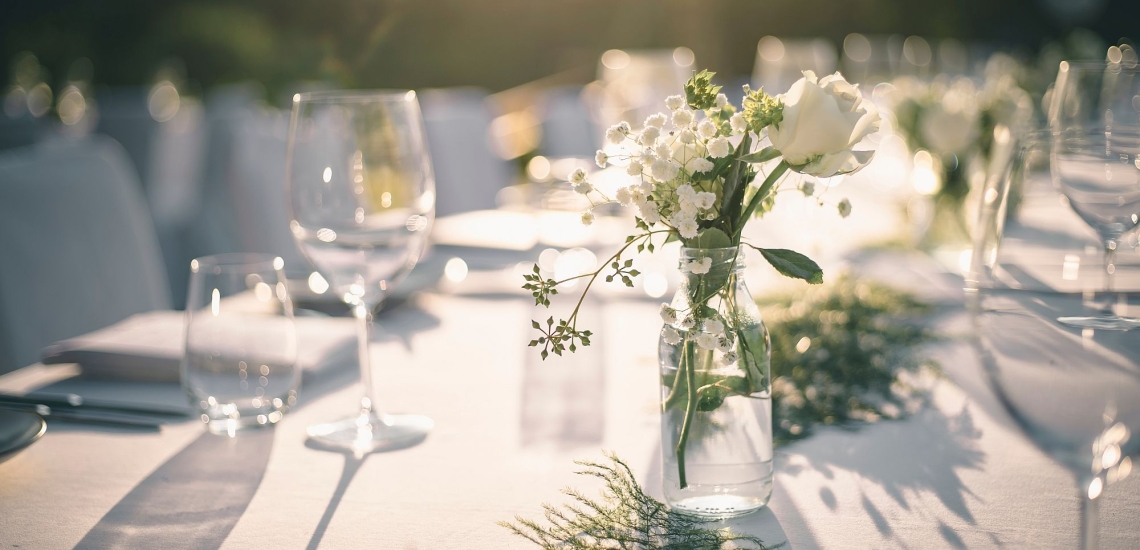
<point x="674" y="102"/>
<point x="719" y="147"/>
<point x="587" y="217"/>
<point x="682" y="118"/>
<point x="739" y="125"/>
<point x="578" y="176"/>
<point x="635" y="168"/>
<point x="704" y="200"/>
<point x="701" y="164"/>
<point x="668" y="314"/>
<point x="601" y="158"/>
<point x="721" y="101"/>
<point x="649" y="135"/>
<point x="700" y="267"/>
<point x="706" y="129"/>
<point x="712" y="325"/>
<point x="844" y="208"/>
<point x="655" y="120"/>
<point x="671" y="336"/>
<point x="823" y="119"/>
<point x="687" y="228"/>
<point x="706" y="341"/>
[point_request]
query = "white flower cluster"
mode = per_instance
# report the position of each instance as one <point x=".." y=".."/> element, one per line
<point x="672" y="158"/>
<point x="712" y="336"/>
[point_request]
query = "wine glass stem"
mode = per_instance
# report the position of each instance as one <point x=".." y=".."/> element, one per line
<point x="1109" y="266"/>
<point x="363" y="316"/>
<point x="1090" y="520"/>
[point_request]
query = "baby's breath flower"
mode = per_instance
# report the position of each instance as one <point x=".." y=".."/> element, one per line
<point x="649" y="213"/>
<point x="706" y="341"/>
<point x="682" y="118"/>
<point x="739" y="123"/>
<point x="687" y="323"/>
<point x="587" y="217"/>
<point x="675" y="102"/>
<point x="655" y="120"/>
<point x="649" y="135"/>
<point x="584" y="188"/>
<point x="808" y="188"/>
<point x="687" y="228"/>
<point x="700" y="164"/>
<point x="687" y="136"/>
<point x="617" y="133"/>
<point x="729" y="358"/>
<point x="724" y="345"/>
<point x="700" y="267"/>
<point x="671" y="336"/>
<point x="668" y="314"/>
<point x="721" y="101"/>
<point x="719" y="147"/>
<point x="663" y="151"/>
<point x="686" y="193"/>
<point x="635" y="168"/>
<point x="624" y="196"/>
<point x="663" y="170"/>
<point x="844" y="207"/>
<point x="706" y="129"/>
<point x="705" y="199"/>
<point x="713" y="326"/>
<point x="601" y="158"/>
<point x="577" y="177"/>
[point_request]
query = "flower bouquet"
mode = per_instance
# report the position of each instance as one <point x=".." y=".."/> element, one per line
<point x="693" y="179"/>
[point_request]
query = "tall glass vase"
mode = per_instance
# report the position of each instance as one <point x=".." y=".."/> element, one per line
<point x="716" y="407"/>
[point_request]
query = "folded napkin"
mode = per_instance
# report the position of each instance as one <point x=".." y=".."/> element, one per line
<point x="149" y="347"/>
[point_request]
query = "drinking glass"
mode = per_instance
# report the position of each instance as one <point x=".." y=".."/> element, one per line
<point x="362" y="199"/>
<point x="239" y="367"/>
<point x="1073" y="390"/>
<point x="1095" y="118"/>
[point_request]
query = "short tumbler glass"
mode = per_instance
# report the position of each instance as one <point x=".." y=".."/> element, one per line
<point x="239" y="367"/>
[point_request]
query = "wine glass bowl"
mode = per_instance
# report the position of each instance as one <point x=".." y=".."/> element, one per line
<point x="362" y="199"/>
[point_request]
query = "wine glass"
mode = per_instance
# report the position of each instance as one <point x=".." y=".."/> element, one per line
<point x="362" y="200"/>
<point x="1095" y="119"/>
<point x="1073" y="390"/>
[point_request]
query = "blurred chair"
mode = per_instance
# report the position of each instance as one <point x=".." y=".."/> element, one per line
<point x="165" y="135"/>
<point x="781" y="62"/>
<point x="77" y="247"/>
<point x="567" y="130"/>
<point x="468" y="174"/>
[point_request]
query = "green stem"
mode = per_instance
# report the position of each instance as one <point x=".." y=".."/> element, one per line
<point x="690" y="409"/>
<point x="765" y="188"/>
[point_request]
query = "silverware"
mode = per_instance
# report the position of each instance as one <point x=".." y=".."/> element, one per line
<point x="71" y="401"/>
<point x="88" y="415"/>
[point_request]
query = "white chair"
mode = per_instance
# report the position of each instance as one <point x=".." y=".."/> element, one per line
<point x="77" y="247"/>
<point x="468" y="174"/>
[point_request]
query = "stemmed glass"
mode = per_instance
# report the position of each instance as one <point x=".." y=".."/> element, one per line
<point x="1095" y="119"/>
<point x="1073" y="390"/>
<point x="362" y="200"/>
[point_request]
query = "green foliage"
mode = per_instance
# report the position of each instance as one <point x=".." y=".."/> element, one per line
<point x="792" y="264"/>
<point x="624" y="518"/>
<point x="700" y="92"/>
<point x="761" y="110"/>
<point x="541" y="289"/>
<point x="710" y="237"/>
<point x="862" y="337"/>
<point x="557" y="338"/>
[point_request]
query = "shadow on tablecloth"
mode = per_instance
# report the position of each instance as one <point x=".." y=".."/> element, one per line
<point x="193" y="500"/>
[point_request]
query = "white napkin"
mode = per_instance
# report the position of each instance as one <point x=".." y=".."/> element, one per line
<point x="149" y="347"/>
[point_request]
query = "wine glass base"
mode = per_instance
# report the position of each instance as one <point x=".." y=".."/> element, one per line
<point x="371" y="433"/>
<point x="1101" y="322"/>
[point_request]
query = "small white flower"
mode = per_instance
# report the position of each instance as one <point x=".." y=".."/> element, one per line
<point x="724" y="345"/>
<point x="635" y="168"/>
<point x="624" y="196"/>
<point x="706" y="129"/>
<point x="721" y="101"/>
<point x="808" y="188"/>
<point x="739" y="125"/>
<point x="649" y="135"/>
<point x="705" y="199"/>
<point x="577" y="177"/>
<point x="719" y="147"/>
<point x="712" y="325"/>
<point x="674" y="102"/>
<point x="663" y="151"/>
<point x="844" y="207"/>
<point x="700" y="267"/>
<point x="671" y="336"/>
<point x="706" y="341"/>
<point x="663" y="170"/>
<point x="655" y="120"/>
<point x="700" y="164"/>
<point x="687" y="208"/>
<point x="729" y="359"/>
<point x="649" y="213"/>
<point x="584" y="188"/>
<point x="587" y="217"/>
<point x="617" y="133"/>
<point x="686" y="193"/>
<point x="687" y="323"/>
<point x="682" y="118"/>
<point x="687" y="228"/>
<point x="668" y="314"/>
<point x="687" y="136"/>
<point x="601" y="158"/>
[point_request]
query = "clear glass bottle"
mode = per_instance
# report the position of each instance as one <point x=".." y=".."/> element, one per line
<point x="716" y="407"/>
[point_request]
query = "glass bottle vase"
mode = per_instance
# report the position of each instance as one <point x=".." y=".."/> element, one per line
<point x="716" y="407"/>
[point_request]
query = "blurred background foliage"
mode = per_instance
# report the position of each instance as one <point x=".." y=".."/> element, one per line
<point x="495" y="44"/>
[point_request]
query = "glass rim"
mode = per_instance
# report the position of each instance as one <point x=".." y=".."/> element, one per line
<point x="356" y="96"/>
<point x="241" y="262"/>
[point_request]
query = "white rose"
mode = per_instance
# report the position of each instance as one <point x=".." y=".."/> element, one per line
<point x="823" y="119"/>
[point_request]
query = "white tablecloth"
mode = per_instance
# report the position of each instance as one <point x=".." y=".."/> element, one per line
<point x="508" y="426"/>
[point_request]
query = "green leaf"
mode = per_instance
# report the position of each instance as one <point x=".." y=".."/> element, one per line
<point x="764" y="155"/>
<point x="710" y="237"/>
<point x="793" y="264"/>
